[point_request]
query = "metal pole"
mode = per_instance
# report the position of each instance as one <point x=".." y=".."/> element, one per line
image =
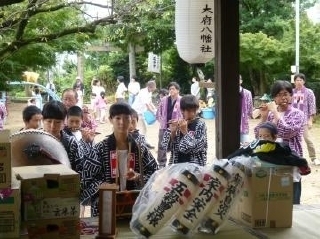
<point x="297" y="35"/>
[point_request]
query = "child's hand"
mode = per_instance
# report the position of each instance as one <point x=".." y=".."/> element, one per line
<point x="183" y="126"/>
<point x="173" y="125"/>
<point x="88" y="135"/>
<point x="132" y="175"/>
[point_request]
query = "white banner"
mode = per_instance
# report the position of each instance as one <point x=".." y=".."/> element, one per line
<point x="154" y="62"/>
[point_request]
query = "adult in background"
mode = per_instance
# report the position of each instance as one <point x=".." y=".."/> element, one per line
<point x="50" y="86"/>
<point x="78" y="84"/>
<point x="195" y="87"/>
<point x="169" y="109"/>
<point x="246" y="107"/>
<point x="133" y="89"/>
<point x="142" y="103"/>
<point x="210" y="91"/>
<point x="289" y="122"/>
<point x="121" y="89"/>
<point x="3" y="114"/>
<point x="303" y="99"/>
<point x="69" y="97"/>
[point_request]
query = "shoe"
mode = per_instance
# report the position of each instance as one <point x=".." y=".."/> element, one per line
<point x="304" y="170"/>
<point x="316" y="162"/>
<point x="149" y="146"/>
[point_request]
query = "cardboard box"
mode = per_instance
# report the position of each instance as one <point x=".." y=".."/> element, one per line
<point x="5" y="159"/>
<point x="266" y="200"/>
<point x="65" y="228"/>
<point x="49" y="191"/>
<point x="10" y="202"/>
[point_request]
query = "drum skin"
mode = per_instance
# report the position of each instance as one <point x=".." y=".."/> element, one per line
<point x="36" y="147"/>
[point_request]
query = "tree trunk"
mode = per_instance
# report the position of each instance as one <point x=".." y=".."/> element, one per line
<point x="132" y="60"/>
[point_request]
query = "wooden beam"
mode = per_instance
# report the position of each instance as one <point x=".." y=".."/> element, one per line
<point x="227" y="77"/>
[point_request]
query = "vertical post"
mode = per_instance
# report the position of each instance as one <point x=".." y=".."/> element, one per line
<point x="227" y="77"/>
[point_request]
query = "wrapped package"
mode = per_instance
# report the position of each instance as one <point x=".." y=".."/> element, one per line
<point x="238" y="168"/>
<point x="189" y="197"/>
<point x="167" y="192"/>
<point x="214" y="182"/>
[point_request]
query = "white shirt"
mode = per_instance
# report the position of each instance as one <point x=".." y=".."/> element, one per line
<point x="134" y="87"/>
<point x="120" y="90"/>
<point x="80" y="98"/>
<point x="123" y="168"/>
<point x="50" y="86"/>
<point x="77" y="134"/>
<point x="97" y="89"/>
<point x="142" y="99"/>
<point x="195" y="89"/>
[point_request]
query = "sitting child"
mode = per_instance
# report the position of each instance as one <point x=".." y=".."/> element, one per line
<point x="187" y="138"/>
<point x="267" y="149"/>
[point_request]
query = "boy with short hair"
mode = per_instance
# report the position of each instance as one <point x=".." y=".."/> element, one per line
<point x="133" y="128"/>
<point x="32" y="117"/>
<point x="74" y="121"/>
<point x="116" y="159"/>
<point x="188" y="136"/>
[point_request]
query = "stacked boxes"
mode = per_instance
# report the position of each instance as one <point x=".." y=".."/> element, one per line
<point x="10" y="201"/>
<point x="268" y="190"/>
<point x="10" y="197"/>
<point x="50" y="201"/>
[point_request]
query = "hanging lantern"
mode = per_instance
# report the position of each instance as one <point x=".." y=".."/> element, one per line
<point x="194" y="23"/>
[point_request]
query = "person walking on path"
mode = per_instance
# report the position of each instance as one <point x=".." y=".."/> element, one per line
<point x="195" y="87"/>
<point x="304" y="100"/>
<point x="121" y="90"/>
<point x="169" y="109"/>
<point x="246" y="106"/>
<point x="133" y="89"/>
<point x="142" y="103"/>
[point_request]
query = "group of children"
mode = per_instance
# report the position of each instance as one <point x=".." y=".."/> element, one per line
<point x="123" y="157"/>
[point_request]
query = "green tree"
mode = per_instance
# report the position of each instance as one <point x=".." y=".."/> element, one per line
<point x="33" y="32"/>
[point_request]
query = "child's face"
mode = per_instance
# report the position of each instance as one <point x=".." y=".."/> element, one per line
<point x="133" y="124"/>
<point x="53" y="126"/>
<point x="265" y="134"/>
<point x="34" y="122"/>
<point x="120" y="123"/>
<point x="189" y="114"/>
<point x="74" y="122"/>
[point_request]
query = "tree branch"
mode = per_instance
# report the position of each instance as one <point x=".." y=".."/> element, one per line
<point x="89" y="28"/>
<point x="9" y="2"/>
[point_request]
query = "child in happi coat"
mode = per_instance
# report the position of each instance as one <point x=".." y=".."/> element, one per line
<point x="187" y="138"/>
<point x="116" y="159"/>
